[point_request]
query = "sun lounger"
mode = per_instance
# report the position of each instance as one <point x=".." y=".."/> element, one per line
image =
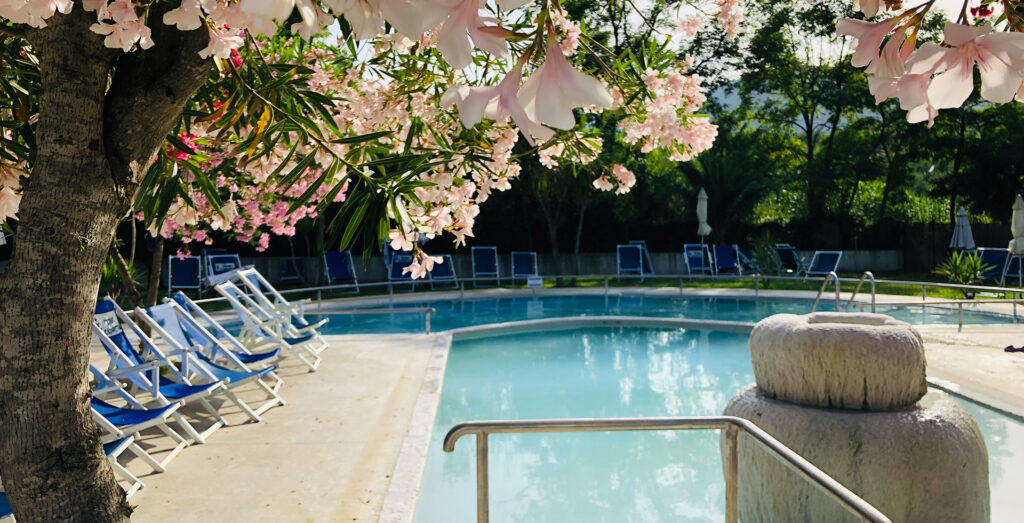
<point x="698" y="258"/>
<point x="338" y="268"/>
<point x="485" y="264"/>
<point x="444" y="272"/>
<point x="524" y="265"/>
<point x="995" y="262"/>
<point x="823" y="262"/>
<point x="629" y="259"/>
<point x="789" y="262"/>
<point x="184" y="272"/>
<point x="726" y="258"/>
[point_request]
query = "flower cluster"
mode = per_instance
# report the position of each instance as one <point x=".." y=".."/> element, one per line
<point x="624" y="178"/>
<point x="931" y="77"/>
<point x="669" y="120"/>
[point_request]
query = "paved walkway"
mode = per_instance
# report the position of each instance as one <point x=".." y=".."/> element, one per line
<point x="973" y="363"/>
<point x="326" y="456"/>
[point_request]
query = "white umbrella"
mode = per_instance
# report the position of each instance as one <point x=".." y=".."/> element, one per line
<point x="962" y="237"/>
<point x="703" y="229"/>
<point x="1017" y="227"/>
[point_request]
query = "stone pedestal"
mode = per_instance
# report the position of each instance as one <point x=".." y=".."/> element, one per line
<point x="848" y="393"/>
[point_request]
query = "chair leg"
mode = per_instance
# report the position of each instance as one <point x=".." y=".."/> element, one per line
<point x="242" y="405"/>
<point x="145" y="456"/>
<point x="127" y="475"/>
<point x="188" y="428"/>
<point x="214" y="412"/>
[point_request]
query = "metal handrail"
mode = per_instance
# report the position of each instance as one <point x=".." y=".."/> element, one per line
<point x="829" y="277"/>
<point x="427" y="311"/>
<point x="867" y="274"/>
<point x="730" y="424"/>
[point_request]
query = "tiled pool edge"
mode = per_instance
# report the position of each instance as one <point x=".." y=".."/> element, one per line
<point x="403" y="490"/>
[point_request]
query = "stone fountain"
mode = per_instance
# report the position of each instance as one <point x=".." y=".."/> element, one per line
<point x="848" y="393"/>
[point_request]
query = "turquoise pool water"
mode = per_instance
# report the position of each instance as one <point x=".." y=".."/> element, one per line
<point x="453" y="314"/>
<point x="606" y="372"/>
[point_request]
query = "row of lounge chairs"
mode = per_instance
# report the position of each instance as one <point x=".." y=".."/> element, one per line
<point x="172" y="367"/>
<point x="633" y="258"/>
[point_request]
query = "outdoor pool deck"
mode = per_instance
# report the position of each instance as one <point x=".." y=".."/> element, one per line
<point x="330" y="454"/>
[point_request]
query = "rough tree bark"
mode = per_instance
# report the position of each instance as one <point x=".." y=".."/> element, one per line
<point x="155" y="269"/>
<point x="94" y="145"/>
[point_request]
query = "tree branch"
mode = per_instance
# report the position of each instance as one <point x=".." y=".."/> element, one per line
<point x="15" y="31"/>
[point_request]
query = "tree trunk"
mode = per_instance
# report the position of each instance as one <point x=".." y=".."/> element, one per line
<point x="155" y="268"/>
<point x="579" y="236"/>
<point x="96" y="137"/>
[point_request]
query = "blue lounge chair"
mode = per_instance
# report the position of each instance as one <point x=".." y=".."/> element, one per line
<point x="338" y="268"/>
<point x="698" y="258"/>
<point x="218" y="342"/>
<point x="222" y="263"/>
<point x="261" y="328"/>
<point x="524" y="265"/>
<point x="1014" y="269"/>
<point x="113" y="450"/>
<point x="165" y="323"/>
<point x="629" y="259"/>
<point x="646" y="263"/>
<point x="485" y="264"/>
<point x="118" y="423"/>
<point x="789" y="262"/>
<point x="748" y="260"/>
<point x="271" y="299"/>
<point x="444" y="272"/>
<point x="726" y="258"/>
<point x="184" y="273"/>
<point x="396" y="271"/>
<point x="823" y="262"/>
<point x="996" y="261"/>
<point x="294" y="269"/>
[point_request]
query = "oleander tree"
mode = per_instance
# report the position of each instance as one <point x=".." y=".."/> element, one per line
<point x="203" y="115"/>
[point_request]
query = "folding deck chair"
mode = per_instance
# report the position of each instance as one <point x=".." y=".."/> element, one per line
<point x="396" y="269"/>
<point x="232" y="349"/>
<point x="270" y="299"/>
<point x="113" y="450"/>
<point x="184" y="273"/>
<point x="117" y="423"/>
<point x="698" y="258"/>
<point x="823" y="262"/>
<point x="629" y="259"/>
<point x="338" y="267"/>
<point x="1014" y="268"/>
<point x="645" y="261"/>
<point x="444" y="272"/>
<point x="222" y="263"/>
<point x="156" y="375"/>
<point x="997" y="261"/>
<point x="164" y="321"/>
<point x="726" y="258"/>
<point x="261" y="328"/>
<point x="294" y="269"/>
<point x="789" y="262"/>
<point x="485" y="264"/>
<point x="524" y="265"/>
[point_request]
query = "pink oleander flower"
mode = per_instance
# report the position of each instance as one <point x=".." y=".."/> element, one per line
<point x="464" y="23"/>
<point x="421" y="265"/>
<point x="186" y="17"/>
<point x="9" y="203"/>
<point x="496" y="102"/>
<point x="690" y="25"/>
<point x="603" y="183"/>
<point x="868" y="7"/>
<point x="867" y="36"/>
<point x="400" y="241"/>
<point x="625" y="177"/>
<point x="221" y="44"/>
<point x="555" y="88"/>
<point x="999" y="56"/>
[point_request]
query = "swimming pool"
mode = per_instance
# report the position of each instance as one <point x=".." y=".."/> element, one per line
<point x="455" y="313"/>
<point x="615" y="372"/>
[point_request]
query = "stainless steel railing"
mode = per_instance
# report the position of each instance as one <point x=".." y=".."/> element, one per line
<point x="731" y="425"/>
<point x="832" y="276"/>
<point x="869" y="275"/>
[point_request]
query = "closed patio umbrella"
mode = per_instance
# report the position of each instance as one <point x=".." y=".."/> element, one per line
<point x="962" y="239"/>
<point x="703" y="229"/>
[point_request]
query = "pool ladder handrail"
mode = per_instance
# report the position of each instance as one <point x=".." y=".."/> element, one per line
<point x="866" y="275"/>
<point x="731" y="425"/>
<point x="829" y="277"/>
